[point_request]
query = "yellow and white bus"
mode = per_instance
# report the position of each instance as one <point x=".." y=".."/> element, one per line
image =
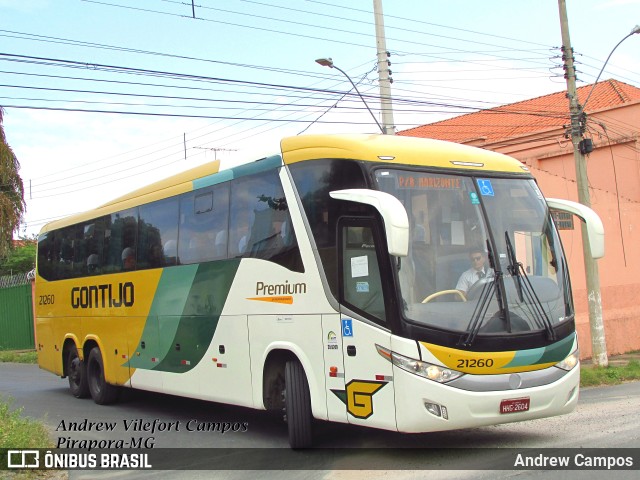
<point x="323" y="282"/>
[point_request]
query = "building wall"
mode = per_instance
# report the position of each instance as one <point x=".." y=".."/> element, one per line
<point x="613" y="170"/>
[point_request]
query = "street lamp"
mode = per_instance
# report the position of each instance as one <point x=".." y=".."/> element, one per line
<point x="327" y="62"/>
<point x="635" y="30"/>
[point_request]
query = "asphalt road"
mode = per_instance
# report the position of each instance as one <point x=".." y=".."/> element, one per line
<point x="607" y="417"/>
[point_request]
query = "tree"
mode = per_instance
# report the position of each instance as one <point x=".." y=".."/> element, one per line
<point x="12" y="203"/>
<point x="20" y="259"/>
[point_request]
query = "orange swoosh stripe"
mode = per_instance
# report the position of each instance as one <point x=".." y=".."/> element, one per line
<point x="287" y="299"/>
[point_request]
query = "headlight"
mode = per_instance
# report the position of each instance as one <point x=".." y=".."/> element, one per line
<point x="427" y="370"/>
<point x="570" y="362"/>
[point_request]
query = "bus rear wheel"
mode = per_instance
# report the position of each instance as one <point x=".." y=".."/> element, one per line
<point x="101" y="392"/>
<point x="77" y="374"/>
<point x="297" y="405"/>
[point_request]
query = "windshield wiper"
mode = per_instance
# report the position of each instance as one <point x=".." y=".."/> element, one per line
<point x="514" y="266"/>
<point x="526" y="293"/>
<point x="479" y="313"/>
<point x="484" y="300"/>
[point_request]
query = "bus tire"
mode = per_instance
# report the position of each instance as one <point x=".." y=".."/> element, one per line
<point x="101" y="392"/>
<point x="297" y="405"/>
<point x="77" y="374"/>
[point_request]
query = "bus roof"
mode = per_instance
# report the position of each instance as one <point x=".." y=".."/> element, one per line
<point x="397" y="150"/>
<point x="375" y="148"/>
<point x="195" y="178"/>
<point x="173" y="185"/>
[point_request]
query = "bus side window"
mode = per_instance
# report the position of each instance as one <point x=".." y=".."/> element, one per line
<point x="260" y="222"/>
<point x="46" y="256"/>
<point x="158" y="234"/>
<point x="313" y="181"/>
<point x="204" y="219"/>
<point x="93" y="233"/>
<point x="120" y="241"/>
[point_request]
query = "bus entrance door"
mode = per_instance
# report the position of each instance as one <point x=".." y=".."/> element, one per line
<point x="369" y="394"/>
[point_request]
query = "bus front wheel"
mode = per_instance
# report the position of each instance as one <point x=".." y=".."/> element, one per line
<point x="77" y="374"/>
<point x="101" y="392"/>
<point x="297" y="405"/>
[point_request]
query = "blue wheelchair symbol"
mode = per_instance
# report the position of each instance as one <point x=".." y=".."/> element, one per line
<point x="486" y="189"/>
<point x="347" y="327"/>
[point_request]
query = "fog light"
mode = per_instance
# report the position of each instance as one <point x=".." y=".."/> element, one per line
<point x="433" y="409"/>
<point x="437" y="410"/>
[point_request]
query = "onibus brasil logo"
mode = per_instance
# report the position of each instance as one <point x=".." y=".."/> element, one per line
<point x="23" y="459"/>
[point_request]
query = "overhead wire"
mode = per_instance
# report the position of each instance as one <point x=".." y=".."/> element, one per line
<point x="267" y="120"/>
<point x="301" y="35"/>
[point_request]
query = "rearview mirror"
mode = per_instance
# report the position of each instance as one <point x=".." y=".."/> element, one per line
<point x="394" y="215"/>
<point x="595" y="229"/>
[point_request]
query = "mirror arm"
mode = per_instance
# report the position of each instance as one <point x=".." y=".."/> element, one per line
<point x="394" y="215"/>
<point x="595" y="229"/>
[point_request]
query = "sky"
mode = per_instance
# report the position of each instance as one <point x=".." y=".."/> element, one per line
<point x="103" y="97"/>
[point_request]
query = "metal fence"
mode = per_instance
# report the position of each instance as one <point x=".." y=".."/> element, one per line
<point x="15" y="280"/>
<point x="16" y="313"/>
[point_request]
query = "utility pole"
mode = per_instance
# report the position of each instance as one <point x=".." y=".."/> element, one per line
<point x="384" y="74"/>
<point x="578" y="124"/>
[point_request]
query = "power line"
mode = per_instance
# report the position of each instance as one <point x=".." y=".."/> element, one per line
<point x="427" y="23"/>
<point x="289" y="94"/>
<point x="288" y="21"/>
<point x="81" y="43"/>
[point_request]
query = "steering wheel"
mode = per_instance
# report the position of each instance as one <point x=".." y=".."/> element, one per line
<point x="475" y="289"/>
<point x="445" y="292"/>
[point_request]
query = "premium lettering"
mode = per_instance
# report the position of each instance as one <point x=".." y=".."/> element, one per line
<point x="103" y="296"/>
<point x="285" y="288"/>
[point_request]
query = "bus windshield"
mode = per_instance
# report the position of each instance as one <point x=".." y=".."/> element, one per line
<point x="484" y="255"/>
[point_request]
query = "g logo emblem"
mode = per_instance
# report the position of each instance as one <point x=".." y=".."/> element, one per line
<point x="358" y="397"/>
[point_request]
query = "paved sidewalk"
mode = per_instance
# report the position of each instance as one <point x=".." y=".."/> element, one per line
<point x="618" y="360"/>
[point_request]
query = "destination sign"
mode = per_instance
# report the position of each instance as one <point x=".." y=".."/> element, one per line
<point x="422" y="182"/>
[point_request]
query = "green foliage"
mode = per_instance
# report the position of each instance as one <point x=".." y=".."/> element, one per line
<point x="19" y="357"/>
<point x="12" y="204"/>
<point x="20" y="259"/>
<point x="613" y="374"/>
<point x="19" y="432"/>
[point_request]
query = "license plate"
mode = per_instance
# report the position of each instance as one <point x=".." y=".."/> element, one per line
<point x="515" y="405"/>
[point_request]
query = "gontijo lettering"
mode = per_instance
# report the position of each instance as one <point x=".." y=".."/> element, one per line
<point x="103" y="296"/>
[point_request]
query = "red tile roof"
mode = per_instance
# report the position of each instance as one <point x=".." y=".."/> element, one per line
<point x="528" y="116"/>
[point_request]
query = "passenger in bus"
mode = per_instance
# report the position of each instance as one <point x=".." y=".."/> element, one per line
<point x="221" y="244"/>
<point x="199" y="248"/>
<point x="170" y="251"/>
<point x="478" y="271"/>
<point x="128" y="259"/>
<point x="242" y="244"/>
<point x="93" y="264"/>
<point x="156" y="256"/>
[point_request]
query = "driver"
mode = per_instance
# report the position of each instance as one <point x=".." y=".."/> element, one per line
<point x="479" y="270"/>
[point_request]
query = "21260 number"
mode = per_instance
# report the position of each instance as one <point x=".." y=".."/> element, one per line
<point x="475" y="362"/>
<point x="47" y="299"/>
